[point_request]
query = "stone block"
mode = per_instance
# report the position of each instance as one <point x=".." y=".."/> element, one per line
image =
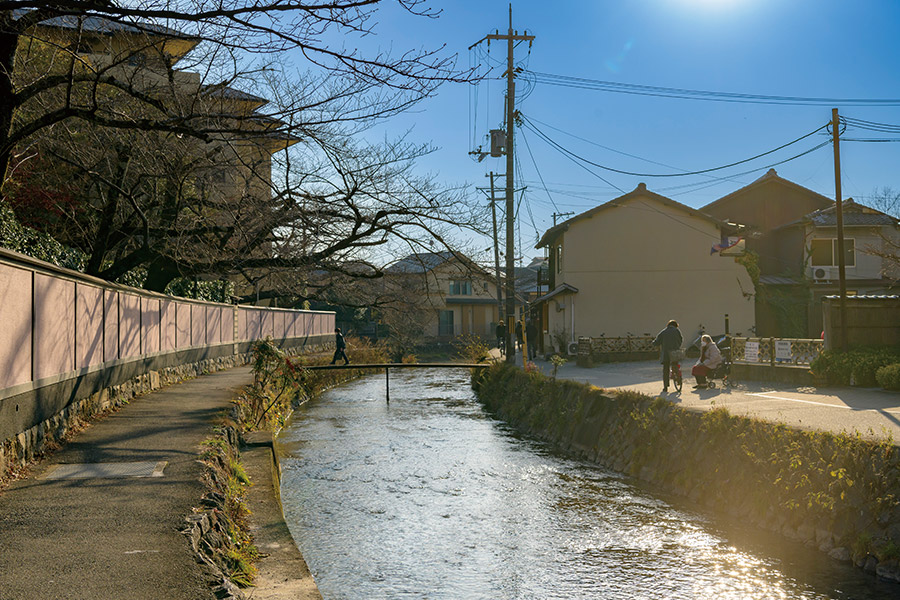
<point x="154" y="380"/>
<point x="840" y="554"/>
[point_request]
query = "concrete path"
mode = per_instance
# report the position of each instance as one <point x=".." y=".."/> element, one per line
<point x="869" y="411"/>
<point x="116" y="538"/>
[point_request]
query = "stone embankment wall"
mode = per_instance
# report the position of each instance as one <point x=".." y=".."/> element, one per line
<point x="838" y="493"/>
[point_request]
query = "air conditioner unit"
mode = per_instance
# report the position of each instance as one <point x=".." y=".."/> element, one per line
<point x="572" y="348"/>
<point x="823" y="274"/>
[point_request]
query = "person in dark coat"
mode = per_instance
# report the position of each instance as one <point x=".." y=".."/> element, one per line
<point x="340" y="347"/>
<point x="519" y="339"/>
<point x="531" y="338"/>
<point x="668" y="339"/>
<point x="501" y="336"/>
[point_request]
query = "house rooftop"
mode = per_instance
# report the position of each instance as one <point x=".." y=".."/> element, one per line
<point x="106" y="26"/>
<point x="854" y="215"/>
<point x="420" y="262"/>
<point x="640" y="191"/>
<point x="770" y="176"/>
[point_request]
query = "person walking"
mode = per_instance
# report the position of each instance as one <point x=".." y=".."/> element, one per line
<point x="531" y="338"/>
<point x="501" y="337"/>
<point x="668" y="339"/>
<point x="340" y="347"/>
<point x="519" y="340"/>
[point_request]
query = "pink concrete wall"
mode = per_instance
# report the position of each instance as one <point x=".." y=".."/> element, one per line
<point x="268" y="329"/>
<point x="88" y="325"/>
<point x="15" y="332"/>
<point x="129" y="325"/>
<point x="241" y="324"/>
<point x="50" y="325"/>
<point x="228" y="314"/>
<point x="198" y="325"/>
<point x="279" y="325"/>
<point x="182" y="325"/>
<point x="213" y="324"/>
<point x="150" y="325"/>
<point x="254" y="324"/>
<point x="110" y="325"/>
<point x="167" y="325"/>
<point x="54" y="327"/>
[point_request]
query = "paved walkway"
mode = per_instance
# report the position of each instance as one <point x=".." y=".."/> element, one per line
<point x="116" y="538"/>
<point x="869" y="411"/>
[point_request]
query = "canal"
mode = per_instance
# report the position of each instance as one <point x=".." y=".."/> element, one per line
<point x="431" y="497"/>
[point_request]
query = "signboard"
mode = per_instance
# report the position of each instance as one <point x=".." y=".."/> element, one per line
<point x="751" y="351"/>
<point x="783" y="351"/>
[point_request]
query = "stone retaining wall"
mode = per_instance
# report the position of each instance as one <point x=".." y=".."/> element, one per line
<point x="837" y="493"/>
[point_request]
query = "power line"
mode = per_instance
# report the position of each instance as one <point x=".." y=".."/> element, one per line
<point x="534" y="162"/>
<point x="708" y="95"/>
<point x="549" y="140"/>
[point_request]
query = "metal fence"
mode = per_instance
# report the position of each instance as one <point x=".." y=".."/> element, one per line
<point x="775" y="351"/>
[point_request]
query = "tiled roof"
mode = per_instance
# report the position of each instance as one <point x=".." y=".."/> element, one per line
<point x="420" y="262"/>
<point x="103" y="25"/>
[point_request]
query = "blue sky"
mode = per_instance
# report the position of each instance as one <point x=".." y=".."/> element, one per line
<point x="804" y="48"/>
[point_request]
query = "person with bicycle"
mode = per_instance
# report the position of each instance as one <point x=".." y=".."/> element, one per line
<point x="710" y="358"/>
<point x="668" y="340"/>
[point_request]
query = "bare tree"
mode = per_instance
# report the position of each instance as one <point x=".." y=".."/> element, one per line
<point x="143" y="165"/>
<point x="229" y="42"/>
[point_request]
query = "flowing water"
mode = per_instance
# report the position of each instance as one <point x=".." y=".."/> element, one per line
<point x="431" y="497"/>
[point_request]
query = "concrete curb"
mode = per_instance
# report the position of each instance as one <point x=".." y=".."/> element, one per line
<point x="283" y="573"/>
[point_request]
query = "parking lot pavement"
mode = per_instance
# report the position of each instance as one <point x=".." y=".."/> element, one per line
<point x="869" y="411"/>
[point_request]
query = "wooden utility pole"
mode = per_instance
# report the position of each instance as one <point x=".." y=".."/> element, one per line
<point x="838" y="209"/>
<point x="511" y="37"/>
<point x="496" y="252"/>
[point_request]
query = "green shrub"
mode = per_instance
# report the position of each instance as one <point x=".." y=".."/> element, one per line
<point x="888" y="376"/>
<point x="857" y="366"/>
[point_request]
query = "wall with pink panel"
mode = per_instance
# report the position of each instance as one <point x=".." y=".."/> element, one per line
<point x="15" y="332"/>
<point x="228" y="314"/>
<point x="129" y="325"/>
<point x="182" y="325"/>
<point x="88" y="325"/>
<point x="110" y="325"/>
<point x="213" y="324"/>
<point x="167" y="325"/>
<point x="54" y="327"/>
<point x="150" y="325"/>
<point x="198" y="325"/>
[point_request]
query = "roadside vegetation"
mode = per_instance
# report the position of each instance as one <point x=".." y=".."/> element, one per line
<point x="837" y="492"/>
<point x="867" y="367"/>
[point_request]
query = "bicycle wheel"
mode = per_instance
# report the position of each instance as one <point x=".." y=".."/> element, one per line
<point x="676" y="379"/>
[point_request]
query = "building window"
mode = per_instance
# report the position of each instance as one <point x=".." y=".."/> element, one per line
<point x="460" y="288"/>
<point x="559" y="257"/>
<point x="823" y="252"/>
<point x="445" y="322"/>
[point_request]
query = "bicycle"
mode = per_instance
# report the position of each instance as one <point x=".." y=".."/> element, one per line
<point x="675" y="375"/>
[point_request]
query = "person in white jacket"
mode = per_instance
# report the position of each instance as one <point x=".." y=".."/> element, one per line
<point x="710" y="358"/>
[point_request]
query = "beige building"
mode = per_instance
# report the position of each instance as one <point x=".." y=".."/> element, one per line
<point x="451" y="295"/>
<point x="630" y="265"/>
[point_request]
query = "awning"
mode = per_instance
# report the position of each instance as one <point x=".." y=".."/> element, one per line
<point x="562" y="289"/>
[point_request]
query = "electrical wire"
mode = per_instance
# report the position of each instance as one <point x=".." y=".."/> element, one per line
<point x="714" y="96"/>
<point x="549" y="140"/>
<point x="538" y="171"/>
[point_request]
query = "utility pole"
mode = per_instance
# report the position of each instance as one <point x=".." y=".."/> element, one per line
<point x="496" y="252"/>
<point x="511" y="37"/>
<point x="838" y="209"/>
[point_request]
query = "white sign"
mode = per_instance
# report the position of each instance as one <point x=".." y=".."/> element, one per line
<point x="783" y="351"/>
<point x="751" y="351"/>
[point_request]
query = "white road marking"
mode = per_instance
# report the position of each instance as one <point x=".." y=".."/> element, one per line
<point x="763" y="395"/>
